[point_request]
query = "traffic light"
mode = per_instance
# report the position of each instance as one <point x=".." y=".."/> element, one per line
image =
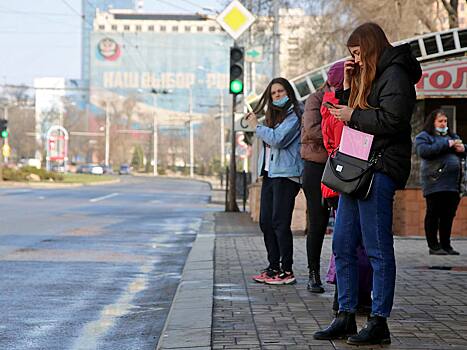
<point x="237" y="58"/>
<point x="4" y="128"/>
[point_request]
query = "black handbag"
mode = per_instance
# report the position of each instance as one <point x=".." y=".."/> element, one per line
<point x="349" y="175"/>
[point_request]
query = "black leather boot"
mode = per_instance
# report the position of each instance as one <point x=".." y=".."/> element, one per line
<point x="375" y="331"/>
<point x="341" y="327"/>
<point x="314" y="282"/>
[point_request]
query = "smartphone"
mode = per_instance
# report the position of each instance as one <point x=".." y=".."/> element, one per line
<point x="330" y="105"/>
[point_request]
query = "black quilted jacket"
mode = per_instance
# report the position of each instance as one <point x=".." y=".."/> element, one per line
<point x="393" y="98"/>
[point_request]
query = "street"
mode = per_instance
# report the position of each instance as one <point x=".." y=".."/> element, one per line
<point x="94" y="267"/>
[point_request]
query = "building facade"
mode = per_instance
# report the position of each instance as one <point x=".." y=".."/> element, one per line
<point x="89" y="11"/>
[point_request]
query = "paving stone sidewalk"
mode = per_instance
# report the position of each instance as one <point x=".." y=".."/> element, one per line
<point x="430" y="310"/>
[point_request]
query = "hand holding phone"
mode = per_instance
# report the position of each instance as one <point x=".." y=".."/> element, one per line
<point x="330" y="105"/>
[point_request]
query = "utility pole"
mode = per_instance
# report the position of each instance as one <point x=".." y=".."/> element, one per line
<point x="251" y="65"/>
<point x="155" y="138"/>
<point x="222" y="131"/>
<point x="107" y="133"/>
<point x="191" y="135"/>
<point x="276" y="41"/>
<point x="231" y="204"/>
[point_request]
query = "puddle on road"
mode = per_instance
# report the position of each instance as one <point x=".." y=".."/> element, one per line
<point x="171" y="245"/>
<point x="86" y="231"/>
<point x="95" y="330"/>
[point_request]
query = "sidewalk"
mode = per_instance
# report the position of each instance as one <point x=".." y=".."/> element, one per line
<point x="430" y="309"/>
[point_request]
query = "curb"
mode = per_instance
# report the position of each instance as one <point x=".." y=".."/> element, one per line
<point x="174" y="177"/>
<point x="189" y="321"/>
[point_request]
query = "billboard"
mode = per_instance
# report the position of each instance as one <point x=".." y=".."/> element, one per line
<point x="191" y="67"/>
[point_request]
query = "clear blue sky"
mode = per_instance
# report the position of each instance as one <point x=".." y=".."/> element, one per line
<point x="42" y="38"/>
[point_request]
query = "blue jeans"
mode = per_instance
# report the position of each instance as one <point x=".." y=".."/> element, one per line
<point x="370" y="222"/>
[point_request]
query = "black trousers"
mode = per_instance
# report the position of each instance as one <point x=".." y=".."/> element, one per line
<point x="441" y="209"/>
<point x="277" y="204"/>
<point x="318" y="213"/>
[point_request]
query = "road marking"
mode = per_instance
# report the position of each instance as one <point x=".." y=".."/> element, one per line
<point x="93" y="332"/>
<point x="94" y="200"/>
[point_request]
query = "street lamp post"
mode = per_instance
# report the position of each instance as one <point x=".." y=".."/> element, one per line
<point x="107" y="134"/>
<point x="155" y="137"/>
<point x="192" y="157"/>
<point x="222" y="132"/>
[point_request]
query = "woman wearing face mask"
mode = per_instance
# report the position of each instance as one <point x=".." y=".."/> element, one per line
<point x="441" y="174"/>
<point x="378" y="99"/>
<point x="281" y="167"/>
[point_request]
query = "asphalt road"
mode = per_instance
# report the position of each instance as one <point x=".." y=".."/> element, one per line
<point x="94" y="267"/>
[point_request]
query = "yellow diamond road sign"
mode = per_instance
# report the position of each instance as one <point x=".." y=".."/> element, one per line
<point x="235" y="19"/>
<point x="6" y="150"/>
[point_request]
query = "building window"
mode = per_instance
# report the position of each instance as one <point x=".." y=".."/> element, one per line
<point x="138" y="28"/>
<point x="151" y="28"/>
<point x="101" y="27"/>
<point x="199" y="29"/>
<point x="212" y="29"/>
<point x="175" y="29"/>
<point x="114" y="27"/>
<point x="187" y="29"/>
<point x="126" y="27"/>
<point x="163" y="28"/>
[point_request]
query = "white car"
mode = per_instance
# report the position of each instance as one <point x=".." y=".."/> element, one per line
<point x="97" y="170"/>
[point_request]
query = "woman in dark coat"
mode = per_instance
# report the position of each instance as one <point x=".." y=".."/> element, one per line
<point x="378" y="99"/>
<point x="442" y="175"/>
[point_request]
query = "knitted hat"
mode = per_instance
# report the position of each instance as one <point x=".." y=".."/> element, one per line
<point x="336" y="75"/>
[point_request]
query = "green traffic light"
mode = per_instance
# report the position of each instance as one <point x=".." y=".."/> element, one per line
<point x="236" y="86"/>
<point x="4" y="134"/>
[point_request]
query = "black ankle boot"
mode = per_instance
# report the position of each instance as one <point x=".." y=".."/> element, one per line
<point x="314" y="282"/>
<point x="375" y="331"/>
<point x="341" y="327"/>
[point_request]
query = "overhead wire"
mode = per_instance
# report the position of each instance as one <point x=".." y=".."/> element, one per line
<point x="34" y="13"/>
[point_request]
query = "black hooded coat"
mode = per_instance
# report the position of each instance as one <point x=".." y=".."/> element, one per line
<point x="392" y="98"/>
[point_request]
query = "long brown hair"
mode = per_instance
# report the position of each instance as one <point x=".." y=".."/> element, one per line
<point x="276" y="115"/>
<point x="372" y="41"/>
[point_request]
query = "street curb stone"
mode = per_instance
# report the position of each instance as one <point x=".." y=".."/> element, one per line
<point x="189" y="321"/>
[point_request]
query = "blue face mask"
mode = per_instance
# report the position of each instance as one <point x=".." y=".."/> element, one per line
<point x="281" y="102"/>
<point x="442" y="130"/>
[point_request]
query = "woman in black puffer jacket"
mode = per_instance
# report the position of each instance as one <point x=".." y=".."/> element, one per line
<point x="441" y="174"/>
<point x="378" y="99"/>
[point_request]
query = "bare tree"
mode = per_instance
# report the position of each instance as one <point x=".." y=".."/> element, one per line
<point x="451" y="7"/>
<point x="75" y="122"/>
<point x="207" y="143"/>
<point x="21" y="126"/>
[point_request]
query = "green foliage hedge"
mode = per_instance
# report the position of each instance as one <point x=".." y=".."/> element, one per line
<point x="22" y="174"/>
